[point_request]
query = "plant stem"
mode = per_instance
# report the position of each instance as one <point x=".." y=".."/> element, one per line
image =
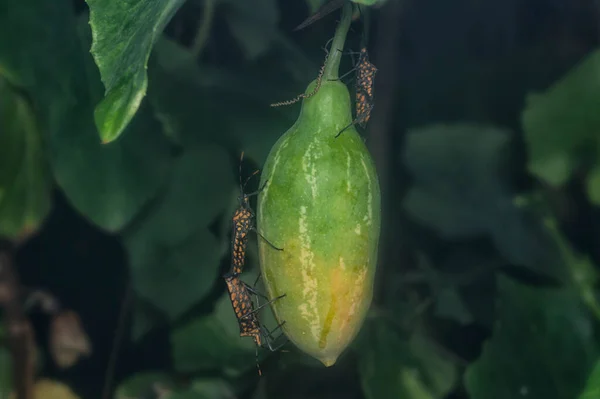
<point x="332" y="66"/>
<point x="205" y="27"/>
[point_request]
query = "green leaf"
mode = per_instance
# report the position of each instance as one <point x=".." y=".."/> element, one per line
<point x="173" y="255"/>
<point x="393" y="366"/>
<point x="592" y="387"/>
<point x="561" y="124"/>
<point x="213" y="342"/>
<point x="142" y="384"/>
<point x="542" y="346"/>
<point x="175" y="278"/>
<point x="461" y="190"/>
<point x="593" y="185"/>
<point x="124" y="33"/>
<point x="25" y="181"/>
<point x="49" y="60"/>
<point x="205" y="389"/>
<point x="314" y="5"/>
<point x="109" y="184"/>
<point x="38" y="57"/>
<point x="200" y="186"/>
<point x="369" y="2"/>
<point x="234" y="109"/>
<point x="253" y="24"/>
<point x="145" y="317"/>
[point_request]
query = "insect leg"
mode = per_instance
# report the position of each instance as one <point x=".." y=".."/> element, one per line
<point x="267" y="241"/>
<point x="260" y="307"/>
<point x="344" y="129"/>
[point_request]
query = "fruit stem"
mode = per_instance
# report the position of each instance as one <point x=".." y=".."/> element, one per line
<point x="332" y="66"/>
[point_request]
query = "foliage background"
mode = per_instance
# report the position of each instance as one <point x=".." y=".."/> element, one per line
<point x="488" y="262"/>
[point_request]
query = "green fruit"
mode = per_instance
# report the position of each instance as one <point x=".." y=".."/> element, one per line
<point x="321" y="204"/>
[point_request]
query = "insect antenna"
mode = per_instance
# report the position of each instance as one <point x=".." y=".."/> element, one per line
<point x="243" y="186"/>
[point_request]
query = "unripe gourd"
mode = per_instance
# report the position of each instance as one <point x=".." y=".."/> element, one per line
<point x="321" y="204"/>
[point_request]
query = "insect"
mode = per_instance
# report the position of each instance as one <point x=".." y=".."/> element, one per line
<point x="242" y="224"/>
<point x="312" y="93"/>
<point x="365" y="76"/>
<point x="240" y="295"/>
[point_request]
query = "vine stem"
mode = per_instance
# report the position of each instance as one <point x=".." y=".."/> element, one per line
<point x="202" y="35"/>
<point x="332" y="66"/>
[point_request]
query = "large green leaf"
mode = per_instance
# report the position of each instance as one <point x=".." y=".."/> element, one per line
<point x="111" y="183"/>
<point x="392" y="366"/>
<point x="592" y="387"/>
<point x="461" y="190"/>
<point x="124" y="33"/>
<point x="39" y="57"/>
<point x="561" y="125"/>
<point x="25" y="180"/>
<point x="234" y="109"/>
<point x="174" y="278"/>
<point x="173" y="255"/>
<point x="50" y="61"/>
<point x="542" y="346"/>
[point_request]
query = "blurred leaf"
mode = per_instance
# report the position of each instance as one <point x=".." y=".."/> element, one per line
<point x="50" y="389"/>
<point x="207" y="344"/>
<point x="174" y="278"/>
<point x="445" y="288"/>
<point x="205" y="389"/>
<point x="370" y="2"/>
<point x="394" y="367"/>
<point x="38" y="57"/>
<point x="461" y="190"/>
<point x="450" y="305"/>
<point x="253" y="24"/>
<point x="592" y="387"/>
<point x="25" y="181"/>
<point x="108" y="184"/>
<point x="582" y="274"/>
<point x="141" y="384"/>
<point x="314" y="5"/>
<point x="593" y="185"/>
<point x="200" y="186"/>
<point x="538" y="333"/>
<point x="124" y="33"/>
<point x="234" y="109"/>
<point x="561" y="124"/>
<point x="6" y="377"/>
<point x="145" y="317"/>
<point x="172" y="248"/>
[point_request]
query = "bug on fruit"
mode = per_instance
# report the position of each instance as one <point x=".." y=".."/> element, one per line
<point x="242" y="224"/>
<point x="365" y="77"/>
<point x="240" y="295"/>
